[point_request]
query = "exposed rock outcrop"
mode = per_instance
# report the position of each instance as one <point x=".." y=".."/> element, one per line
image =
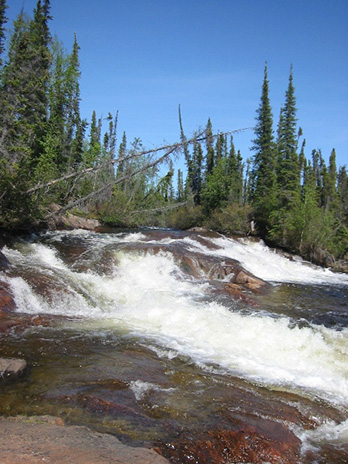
<point x="12" y="368"/>
<point x="70" y="221"/>
<point x="41" y="439"/>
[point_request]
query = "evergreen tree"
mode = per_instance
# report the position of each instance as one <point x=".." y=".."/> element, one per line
<point x="180" y="196"/>
<point x="92" y="157"/>
<point x="342" y="189"/>
<point x="41" y="58"/>
<point x="196" y="170"/>
<point x="263" y="173"/>
<point x="25" y="81"/>
<point x="210" y="157"/>
<point x="220" y="148"/>
<point x="332" y="200"/>
<point x="217" y="187"/>
<point x="122" y="151"/>
<point x="3" y="21"/>
<point x="235" y="173"/>
<point x="75" y="126"/>
<point x="288" y="160"/>
<point x="188" y="159"/>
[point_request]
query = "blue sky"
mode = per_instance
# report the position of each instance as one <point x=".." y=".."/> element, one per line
<point x="145" y="57"/>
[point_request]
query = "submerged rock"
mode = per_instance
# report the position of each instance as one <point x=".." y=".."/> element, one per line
<point x="243" y="444"/>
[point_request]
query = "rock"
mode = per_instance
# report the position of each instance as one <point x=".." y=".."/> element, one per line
<point x="71" y="221"/>
<point x="246" y="444"/>
<point x="6" y="300"/>
<point x="249" y="281"/>
<point x="4" y="262"/>
<point x="41" y="439"/>
<point x="236" y="291"/>
<point x="12" y="368"/>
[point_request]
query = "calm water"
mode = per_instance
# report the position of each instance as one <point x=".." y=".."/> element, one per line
<point x="124" y="337"/>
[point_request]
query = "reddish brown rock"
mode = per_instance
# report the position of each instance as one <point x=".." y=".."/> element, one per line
<point x="250" y="281"/>
<point x="248" y="444"/>
<point x="6" y="300"/>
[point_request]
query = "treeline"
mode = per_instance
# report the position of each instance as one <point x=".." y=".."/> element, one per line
<point x="50" y="155"/>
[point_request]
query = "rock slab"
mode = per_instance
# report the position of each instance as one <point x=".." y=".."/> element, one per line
<point x="44" y="439"/>
<point x="12" y="368"/>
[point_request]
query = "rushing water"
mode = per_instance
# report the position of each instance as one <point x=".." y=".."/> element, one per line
<point x="124" y="338"/>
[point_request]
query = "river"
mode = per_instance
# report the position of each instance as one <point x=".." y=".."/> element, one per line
<point x="133" y="333"/>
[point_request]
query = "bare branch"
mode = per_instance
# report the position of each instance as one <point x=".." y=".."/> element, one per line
<point x="107" y="186"/>
<point x="198" y="138"/>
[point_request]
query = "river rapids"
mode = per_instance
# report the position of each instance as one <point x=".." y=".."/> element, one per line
<point x="134" y="333"/>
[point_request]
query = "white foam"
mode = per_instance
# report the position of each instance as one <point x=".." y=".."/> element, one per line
<point x="271" y="266"/>
<point x="148" y="296"/>
<point x="140" y="388"/>
<point x="329" y="432"/>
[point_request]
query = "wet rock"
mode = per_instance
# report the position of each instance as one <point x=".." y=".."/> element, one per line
<point x="246" y="444"/>
<point x="12" y="368"/>
<point x="4" y="262"/>
<point x="45" y="439"/>
<point x="247" y="280"/>
<point x="236" y="291"/>
<point x="6" y="300"/>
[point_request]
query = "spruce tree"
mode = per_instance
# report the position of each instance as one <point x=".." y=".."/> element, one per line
<point x="197" y="168"/>
<point x="210" y="157"/>
<point x="342" y="190"/>
<point x="235" y="174"/>
<point x="263" y="173"/>
<point x="288" y="159"/>
<point x="122" y="151"/>
<point x="3" y="21"/>
<point x="180" y="195"/>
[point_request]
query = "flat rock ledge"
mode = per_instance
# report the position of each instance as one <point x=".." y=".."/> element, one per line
<point x="12" y="368"/>
<point x="45" y="439"/>
<point x="70" y="221"/>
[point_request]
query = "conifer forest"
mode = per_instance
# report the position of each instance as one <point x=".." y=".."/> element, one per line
<point x="285" y="192"/>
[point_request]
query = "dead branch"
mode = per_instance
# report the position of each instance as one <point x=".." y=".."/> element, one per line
<point x="107" y="186"/>
<point x="198" y="138"/>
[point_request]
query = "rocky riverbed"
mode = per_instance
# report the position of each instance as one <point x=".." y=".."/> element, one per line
<point x="139" y="342"/>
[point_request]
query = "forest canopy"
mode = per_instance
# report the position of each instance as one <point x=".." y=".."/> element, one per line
<point x="50" y="155"/>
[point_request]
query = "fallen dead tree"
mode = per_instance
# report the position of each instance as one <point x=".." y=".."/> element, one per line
<point x="170" y="150"/>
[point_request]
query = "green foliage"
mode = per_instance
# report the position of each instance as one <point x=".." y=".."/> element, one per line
<point x="186" y="217"/>
<point x="217" y="187"/>
<point x="45" y="157"/>
<point x="232" y="219"/>
<point x="263" y="176"/>
<point x="3" y="21"/>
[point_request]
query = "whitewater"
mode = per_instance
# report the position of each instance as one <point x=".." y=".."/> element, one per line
<point x="115" y="284"/>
